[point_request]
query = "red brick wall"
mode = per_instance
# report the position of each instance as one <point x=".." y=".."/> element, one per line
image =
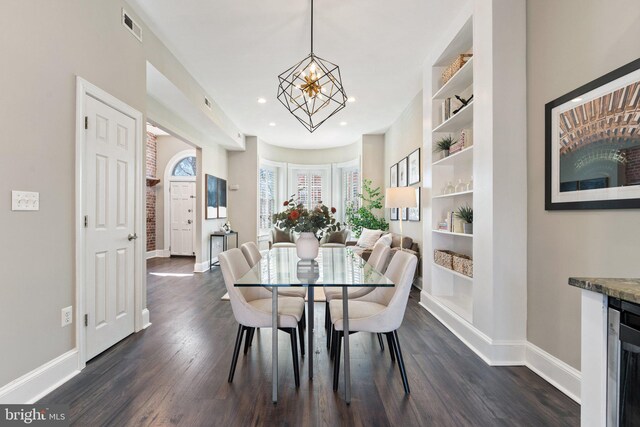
<point x="633" y="166"/>
<point x="152" y="155"/>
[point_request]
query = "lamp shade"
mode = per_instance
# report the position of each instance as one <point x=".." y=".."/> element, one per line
<point x="401" y="197"/>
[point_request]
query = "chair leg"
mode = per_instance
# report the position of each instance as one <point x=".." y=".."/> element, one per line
<point x="327" y="321"/>
<point x="294" y="356"/>
<point x="236" y="351"/>
<point x="334" y="340"/>
<point x="403" y="372"/>
<point x="248" y="339"/>
<point x="380" y="342"/>
<point x="336" y="365"/>
<point x="392" y="350"/>
<point x="303" y="320"/>
<point x="301" y="336"/>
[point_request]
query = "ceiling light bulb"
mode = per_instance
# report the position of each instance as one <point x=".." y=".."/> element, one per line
<point x="261" y="101"/>
<point x="351" y="99"/>
<point x="343" y="123"/>
<point x="272" y="124"/>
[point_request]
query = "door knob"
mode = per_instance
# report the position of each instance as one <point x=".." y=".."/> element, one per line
<point x="133" y="236"/>
<point x="188" y="221"/>
<point x="188" y="210"/>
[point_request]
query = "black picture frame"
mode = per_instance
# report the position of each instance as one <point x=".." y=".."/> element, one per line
<point x="413" y="167"/>
<point x="414" y="214"/>
<point x="402" y="172"/>
<point x="211" y="197"/>
<point x="393" y="182"/>
<point x="555" y="191"/>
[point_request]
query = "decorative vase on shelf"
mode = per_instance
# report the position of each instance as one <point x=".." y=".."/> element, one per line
<point x="470" y="184"/>
<point x="468" y="228"/>
<point x="307" y="246"/>
<point x="446" y="153"/>
<point x="461" y="186"/>
<point x="450" y="188"/>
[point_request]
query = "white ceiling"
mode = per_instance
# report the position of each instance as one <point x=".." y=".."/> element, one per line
<point x="236" y="49"/>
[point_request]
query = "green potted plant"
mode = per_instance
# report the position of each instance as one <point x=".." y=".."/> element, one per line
<point x="465" y="213"/>
<point x="444" y="144"/>
<point x="362" y="216"/>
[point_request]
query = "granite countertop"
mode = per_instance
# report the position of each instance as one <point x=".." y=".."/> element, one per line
<point x="625" y="289"/>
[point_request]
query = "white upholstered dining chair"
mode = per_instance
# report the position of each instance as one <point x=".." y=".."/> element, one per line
<point x="251" y="308"/>
<point x="381" y="311"/>
<point x="377" y="260"/>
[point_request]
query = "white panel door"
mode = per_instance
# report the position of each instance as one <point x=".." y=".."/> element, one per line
<point x="109" y="178"/>
<point x="182" y="212"/>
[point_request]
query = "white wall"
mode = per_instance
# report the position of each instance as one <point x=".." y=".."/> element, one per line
<point x="401" y="139"/>
<point x="309" y="157"/>
<point x="63" y="40"/>
<point x="373" y="155"/>
<point x="570" y="43"/>
<point x="243" y="203"/>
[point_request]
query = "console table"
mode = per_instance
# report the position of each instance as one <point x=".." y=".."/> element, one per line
<point x="225" y="238"/>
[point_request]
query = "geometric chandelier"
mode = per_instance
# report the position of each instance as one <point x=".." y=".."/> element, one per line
<point x="312" y="89"/>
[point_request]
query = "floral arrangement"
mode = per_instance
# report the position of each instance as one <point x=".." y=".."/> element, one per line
<point x="296" y="217"/>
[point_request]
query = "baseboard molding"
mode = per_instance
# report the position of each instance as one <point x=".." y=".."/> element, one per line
<point x="562" y="376"/>
<point x="202" y="266"/>
<point x="145" y="319"/>
<point x="493" y="352"/>
<point x="159" y="253"/>
<point x="507" y="353"/>
<point x="152" y="254"/>
<point x="34" y="385"/>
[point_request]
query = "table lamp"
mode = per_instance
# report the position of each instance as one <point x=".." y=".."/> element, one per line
<point x="401" y="197"/>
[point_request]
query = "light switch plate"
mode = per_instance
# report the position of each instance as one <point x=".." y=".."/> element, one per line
<point x="25" y="201"/>
<point x="67" y="316"/>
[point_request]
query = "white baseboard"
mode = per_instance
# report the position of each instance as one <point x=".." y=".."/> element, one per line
<point x="34" y="385"/>
<point x="562" y="376"/>
<point x="493" y="352"/>
<point x="202" y="266"/>
<point x="158" y="253"/>
<point x="508" y="353"/>
<point x="145" y="319"/>
<point x="152" y="254"/>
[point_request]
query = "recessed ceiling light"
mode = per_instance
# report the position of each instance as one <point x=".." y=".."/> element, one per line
<point x="272" y="124"/>
<point x="262" y="101"/>
<point x="343" y="123"/>
<point x="578" y="99"/>
<point x="351" y="99"/>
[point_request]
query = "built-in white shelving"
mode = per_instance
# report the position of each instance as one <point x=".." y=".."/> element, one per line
<point x="455" y="273"/>
<point x="460" y="193"/>
<point x="451" y="233"/>
<point x="460" y="156"/>
<point x="461" y="305"/>
<point x="457" y="122"/>
<point x="459" y="82"/>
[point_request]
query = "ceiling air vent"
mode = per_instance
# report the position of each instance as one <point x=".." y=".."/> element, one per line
<point x="207" y="102"/>
<point x="131" y="25"/>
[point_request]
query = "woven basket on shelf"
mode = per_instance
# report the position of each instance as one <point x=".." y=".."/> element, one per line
<point x="443" y="258"/>
<point x="455" y="66"/>
<point x="463" y="264"/>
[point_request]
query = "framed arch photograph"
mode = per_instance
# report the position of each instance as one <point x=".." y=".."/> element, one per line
<point x="593" y="144"/>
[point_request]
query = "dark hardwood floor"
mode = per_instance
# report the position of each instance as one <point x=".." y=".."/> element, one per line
<point x="175" y="373"/>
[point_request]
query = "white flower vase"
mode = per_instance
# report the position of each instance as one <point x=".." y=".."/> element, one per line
<point x="307" y="246"/>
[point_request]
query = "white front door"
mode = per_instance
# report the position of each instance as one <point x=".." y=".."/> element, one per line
<point x="109" y="177"/>
<point x="182" y="212"/>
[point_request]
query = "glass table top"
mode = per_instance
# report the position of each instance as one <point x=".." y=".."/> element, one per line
<point x="332" y="267"/>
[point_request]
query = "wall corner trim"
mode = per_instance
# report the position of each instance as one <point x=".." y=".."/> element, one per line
<point x="36" y="384"/>
<point x="203" y="266"/>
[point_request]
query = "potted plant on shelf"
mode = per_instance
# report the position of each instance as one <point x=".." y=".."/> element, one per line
<point x="465" y="213"/>
<point x="363" y="216"/>
<point x="444" y="144"/>
<point x="310" y="223"/>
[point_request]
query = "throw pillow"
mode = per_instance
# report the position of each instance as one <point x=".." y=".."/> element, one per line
<point x="368" y="238"/>
<point x="280" y="235"/>
<point x="338" y="237"/>
<point x="386" y="239"/>
<point x="407" y="242"/>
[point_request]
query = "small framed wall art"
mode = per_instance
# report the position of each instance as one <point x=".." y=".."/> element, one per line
<point x="414" y="213"/>
<point x="402" y="173"/>
<point x="414" y="167"/>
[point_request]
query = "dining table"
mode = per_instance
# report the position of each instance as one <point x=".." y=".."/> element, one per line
<point x="335" y="267"/>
